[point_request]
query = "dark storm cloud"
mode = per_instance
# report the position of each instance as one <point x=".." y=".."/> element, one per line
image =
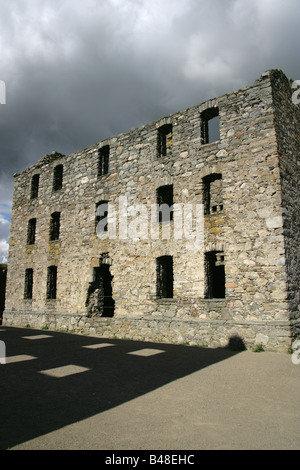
<point x="79" y="72"/>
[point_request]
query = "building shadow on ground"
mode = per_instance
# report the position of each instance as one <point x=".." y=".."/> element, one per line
<point x="38" y="396"/>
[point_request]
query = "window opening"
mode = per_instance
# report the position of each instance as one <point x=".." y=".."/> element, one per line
<point x="101" y="217"/>
<point x="103" y="161"/>
<point x="55" y="226"/>
<point x="57" y="177"/>
<point x="165" y="203"/>
<point x="31" y="232"/>
<point x="51" y="282"/>
<point x="164" y="140"/>
<point x="35" y="180"/>
<point x="215" y="275"/>
<point x="28" y="283"/>
<point x="213" y="194"/>
<point x="164" y="273"/>
<point x="210" y="125"/>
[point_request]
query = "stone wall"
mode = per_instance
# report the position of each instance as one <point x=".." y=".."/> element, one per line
<point x="214" y="333"/>
<point x="247" y="228"/>
<point x="287" y="118"/>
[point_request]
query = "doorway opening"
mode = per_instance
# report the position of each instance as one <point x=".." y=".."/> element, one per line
<point x="100" y="301"/>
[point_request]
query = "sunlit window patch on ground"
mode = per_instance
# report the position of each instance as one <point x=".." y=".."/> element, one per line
<point x="19" y="358"/>
<point x="146" y="352"/>
<point x="34" y="337"/>
<point x="64" y="371"/>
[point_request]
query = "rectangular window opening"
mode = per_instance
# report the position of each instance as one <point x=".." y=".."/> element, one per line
<point x="164" y="281"/>
<point x="164" y="196"/>
<point x="54" y="226"/>
<point x="103" y="161"/>
<point x="210" y="125"/>
<point x="28" y="284"/>
<point x="213" y="194"/>
<point x="215" y="275"/>
<point x="34" y="190"/>
<point x="31" y="232"/>
<point x="51" y="282"/>
<point x="164" y="140"/>
<point x="101" y="217"/>
<point x="57" y="177"/>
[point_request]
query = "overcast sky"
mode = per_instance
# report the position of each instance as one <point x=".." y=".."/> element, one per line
<point x="79" y="72"/>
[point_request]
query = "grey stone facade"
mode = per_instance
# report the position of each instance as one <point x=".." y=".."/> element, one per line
<point x="239" y="278"/>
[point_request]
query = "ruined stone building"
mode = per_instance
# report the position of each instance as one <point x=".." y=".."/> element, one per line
<point x="88" y="252"/>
